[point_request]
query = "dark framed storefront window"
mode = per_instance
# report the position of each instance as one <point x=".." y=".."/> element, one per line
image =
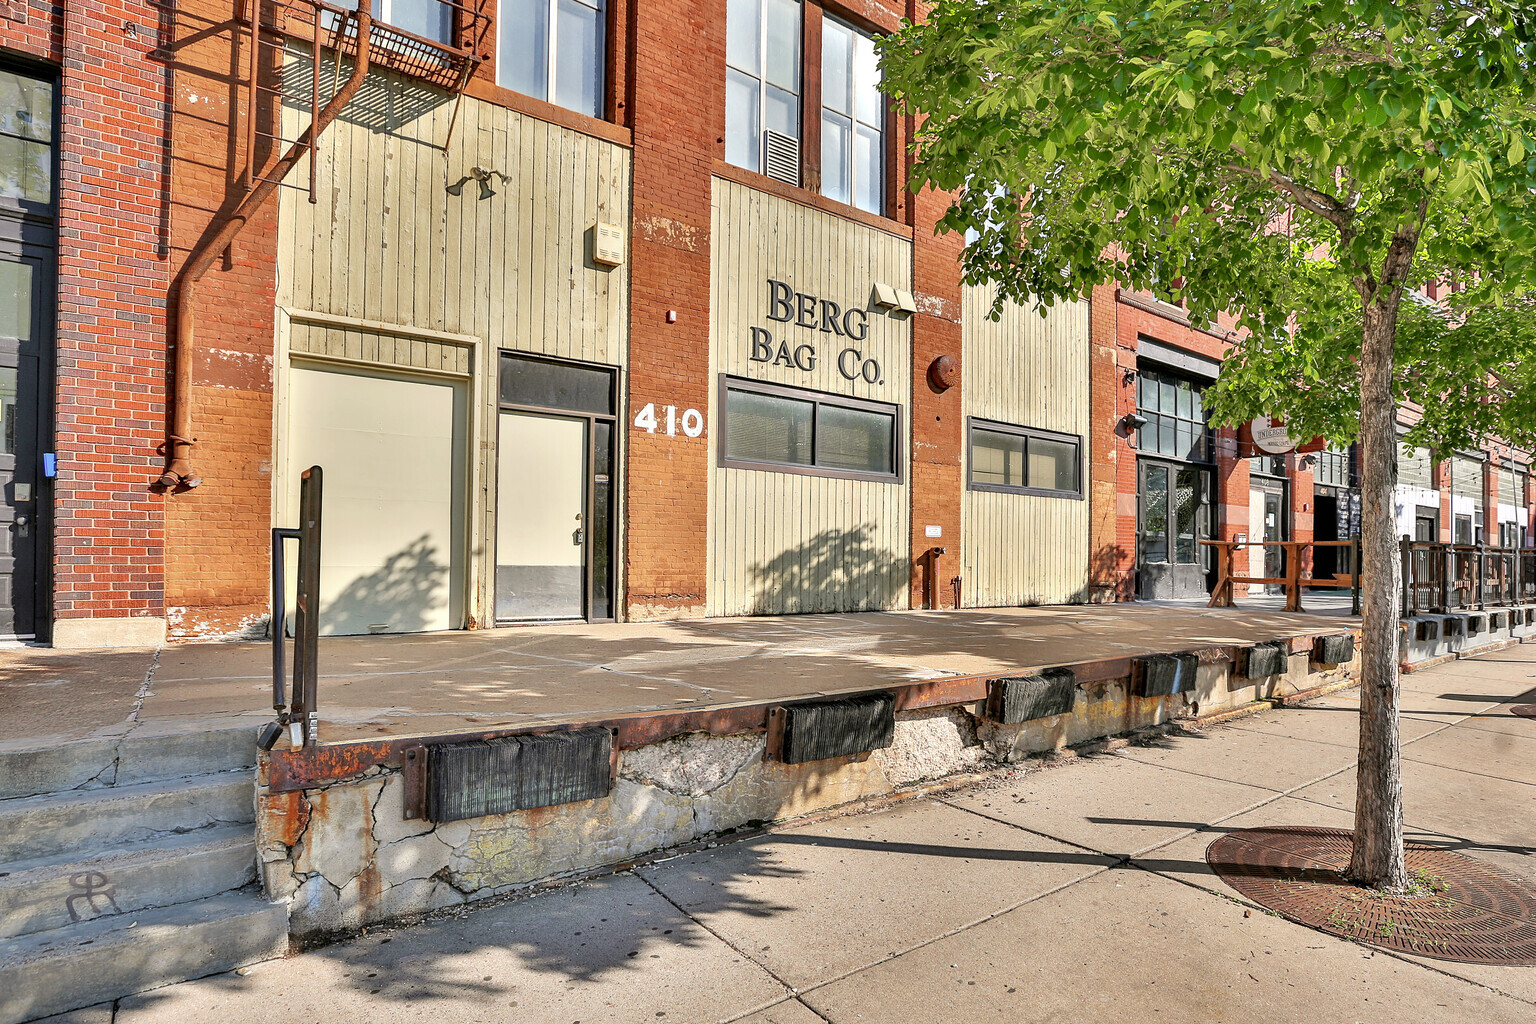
<point x="1023" y="460"/>
<point x="796" y="430"/>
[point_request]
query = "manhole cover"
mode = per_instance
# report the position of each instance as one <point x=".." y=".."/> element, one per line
<point x="1468" y="912"/>
<point x="1524" y="710"/>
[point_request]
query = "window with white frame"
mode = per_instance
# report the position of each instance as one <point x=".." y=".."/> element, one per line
<point x="552" y="50"/>
<point x="429" y="19"/>
<point x="762" y="78"/>
<point x="852" y="119"/>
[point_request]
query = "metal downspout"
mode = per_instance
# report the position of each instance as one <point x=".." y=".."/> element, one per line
<point x="179" y="440"/>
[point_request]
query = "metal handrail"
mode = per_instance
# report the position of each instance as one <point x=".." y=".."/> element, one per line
<point x="301" y="720"/>
<point x="1440" y="578"/>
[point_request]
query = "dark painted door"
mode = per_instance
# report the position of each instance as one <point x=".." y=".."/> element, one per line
<point x="26" y="347"/>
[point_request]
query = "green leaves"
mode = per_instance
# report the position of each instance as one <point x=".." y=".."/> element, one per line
<point x="1267" y="153"/>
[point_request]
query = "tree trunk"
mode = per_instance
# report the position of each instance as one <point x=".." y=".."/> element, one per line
<point x="1378" y="852"/>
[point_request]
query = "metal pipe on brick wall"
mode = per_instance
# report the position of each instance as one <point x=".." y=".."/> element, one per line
<point x="178" y="439"/>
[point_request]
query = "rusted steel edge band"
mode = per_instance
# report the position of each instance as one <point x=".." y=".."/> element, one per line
<point x="312" y="767"/>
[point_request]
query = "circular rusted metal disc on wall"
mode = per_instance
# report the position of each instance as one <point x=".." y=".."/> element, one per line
<point x="1464" y="910"/>
<point x="1524" y="710"/>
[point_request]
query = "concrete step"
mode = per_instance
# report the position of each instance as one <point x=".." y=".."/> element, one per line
<point x="142" y="753"/>
<point x="111" y="957"/>
<point x="95" y="820"/>
<point x="59" y="891"/>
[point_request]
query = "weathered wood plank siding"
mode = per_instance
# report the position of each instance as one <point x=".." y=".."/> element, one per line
<point x="386" y="244"/>
<point x="1027" y="371"/>
<point x="784" y="542"/>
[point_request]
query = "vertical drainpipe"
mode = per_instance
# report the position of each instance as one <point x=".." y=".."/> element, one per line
<point x="178" y="439"/>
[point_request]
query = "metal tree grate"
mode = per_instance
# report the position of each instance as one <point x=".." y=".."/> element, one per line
<point x="1524" y="710"/>
<point x="1466" y="911"/>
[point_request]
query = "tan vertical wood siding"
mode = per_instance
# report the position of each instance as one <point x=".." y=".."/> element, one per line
<point x="783" y="542"/>
<point x="1027" y="371"/>
<point x="387" y="243"/>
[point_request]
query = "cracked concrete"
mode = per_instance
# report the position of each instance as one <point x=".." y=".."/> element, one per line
<point x="346" y="856"/>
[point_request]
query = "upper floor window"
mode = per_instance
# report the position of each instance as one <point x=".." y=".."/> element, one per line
<point x="1332" y="467"/>
<point x="762" y="78"/>
<point x="26" y="139"/>
<point x="429" y="19"/>
<point x="852" y="119"/>
<point x="552" y="50"/>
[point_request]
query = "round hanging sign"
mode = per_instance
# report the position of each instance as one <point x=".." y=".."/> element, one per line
<point x="1271" y="437"/>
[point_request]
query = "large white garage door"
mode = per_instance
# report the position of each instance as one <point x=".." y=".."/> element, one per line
<point x="392" y="450"/>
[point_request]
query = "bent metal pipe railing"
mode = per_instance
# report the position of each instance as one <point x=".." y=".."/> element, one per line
<point x="302" y="720"/>
<point x="1295" y="552"/>
<point x="179" y="440"/>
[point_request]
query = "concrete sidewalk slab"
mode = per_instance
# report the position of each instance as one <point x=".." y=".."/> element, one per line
<point x="1506" y="755"/>
<point x="1111" y="804"/>
<point x="1333" y="720"/>
<point x="561" y="956"/>
<point x="1491" y="817"/>
<point x="790" y="1012"/>
<point x="1129" y="945"/>
<point x="1251" y="758"/>
<point x="816" y="902"/>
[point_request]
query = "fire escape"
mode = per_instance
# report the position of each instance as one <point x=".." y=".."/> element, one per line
<point x="286" y="43"/>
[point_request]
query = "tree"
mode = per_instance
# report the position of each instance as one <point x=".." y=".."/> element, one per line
<point x="1301" y="165"/>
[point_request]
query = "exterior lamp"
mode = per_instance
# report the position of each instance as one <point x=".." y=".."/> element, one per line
<point x="1130" y="423"/>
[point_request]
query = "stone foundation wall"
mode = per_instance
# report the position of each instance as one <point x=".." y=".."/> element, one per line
<point x="345" y="856"/>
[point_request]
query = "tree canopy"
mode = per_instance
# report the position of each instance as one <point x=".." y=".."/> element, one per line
<point x="1298" y="164"/>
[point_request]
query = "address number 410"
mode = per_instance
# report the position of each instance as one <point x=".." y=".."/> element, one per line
<point x="691" y="421"/>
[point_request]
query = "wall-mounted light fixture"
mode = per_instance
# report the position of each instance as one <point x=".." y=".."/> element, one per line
<point x="1127" y="376"/>
<point x="1130" y="423"/>
<point x="1306" y="461"/>
<point x="483" y="176"/>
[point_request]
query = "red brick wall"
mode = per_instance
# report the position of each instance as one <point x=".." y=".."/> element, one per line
<point x="108" y="525"/>
<point x="1111" y="552"/>
<point x="217" y="535"/>
<point x="936" y="482"/>
<point x="677" y="107"/>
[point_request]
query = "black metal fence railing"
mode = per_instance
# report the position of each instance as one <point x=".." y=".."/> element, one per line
<point x="1442" y="578"/>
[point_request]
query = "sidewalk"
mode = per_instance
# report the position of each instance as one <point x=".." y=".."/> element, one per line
<point x="1073" y="891"/>
<point x="425" y="683"/>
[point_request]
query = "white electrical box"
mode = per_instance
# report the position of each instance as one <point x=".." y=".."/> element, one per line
<point x="607" y="245"/>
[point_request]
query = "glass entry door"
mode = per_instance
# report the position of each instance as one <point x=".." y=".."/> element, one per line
<point x="541" y="507"/>
<point x="555" y="490"/>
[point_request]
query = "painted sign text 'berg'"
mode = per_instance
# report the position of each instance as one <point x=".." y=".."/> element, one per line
<point x="787" y="306"/>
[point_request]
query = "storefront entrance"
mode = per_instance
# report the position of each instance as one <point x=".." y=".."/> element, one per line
<point x="1267" y="521"/>
<point x="26" y="350"/>
<point x="554" y="491"/>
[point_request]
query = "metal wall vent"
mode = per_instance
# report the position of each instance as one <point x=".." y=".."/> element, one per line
<point x="1164" y="674"/>
<point x="836" y="728"/>
<point x="1026" y="698"/>
<point x="781" y="157"/>
<point x="514" y="773"/>
<point x="1267" y="659"/>
<point x="1334" y="650"/>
